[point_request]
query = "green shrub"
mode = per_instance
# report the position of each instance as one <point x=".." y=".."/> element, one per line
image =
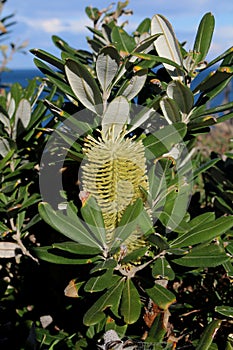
<point x="21" y="146"/>
<point x="118" y="169"/>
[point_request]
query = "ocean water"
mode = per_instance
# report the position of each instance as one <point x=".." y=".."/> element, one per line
<point x="23" y="75"/>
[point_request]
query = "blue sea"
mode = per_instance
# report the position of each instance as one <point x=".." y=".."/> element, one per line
<point x="23" y="75"/>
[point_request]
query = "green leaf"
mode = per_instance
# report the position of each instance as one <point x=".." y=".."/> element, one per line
<point x="203" y="233"/>
<point x="49" y="254"/>
<point x="225" y="310"/>
<point x="228" y="266"/>
<point x="205" y="256"/>
<point x="77" y="248"/>
<point x="109" y="299"/>
<point x="101" y="282"/>
<point x="182" y="95"/>
<point x="158" y="331"/>
<point x="131" y="87"/>
<point x="161" y="296"/>
<point x="4" y="119"/>
<point x="16" y="93"/>
<point x="219" y="202"/>
<point x="38" y="112"/>
<point x="3" y="228"/>
<point x="83" y="56"/>
<point x="31" y="200"/>
<point x="203" y="37"/>
<point x="201" y="123"/>
<point x="162" y="269"/>
<point x="75" y="124"/>
<point x="215" y="80"/>
<point x="229" y="345"/>
<point x="20" y="220"/>
<point x="170" y="110"/>
<point x="223" y="56"/>
<point x="95" y="44"/>
<point x="73" y="229"/>
<point x="229" y="247"/>
<point x="161" y="141"/>
<point x="92" y="12"/>
<point x="135" y="255"/>
<point x="205" y="167"/>
<point x="175" y="206"/>
<point x="45" y="56"/>
<point x="130" y="307"/>
<point x="45" y="69"/>
<point x="120" y="8"/>
<point x="5" y="147"/>
<point x="207" y="96"/>
<point x="84" y="85"/>
<point x="145" y="223"/>
<point x="70" y="141"/>
<point x="54" y="78"/>
<point x="217" y="109"/>
<point x="157" y="186"/>
<point x="116" y="115"/>
<point x="123" y="42"/>
<point x="224" y="117"/>
<point x="144" y="26"/>
<point x="208" y="335"/>
<point x="31" y="223"/>
<point x="167" y="45"/>
<point x="30" y="90"/>
<point x="23" y="113"/>
<point x="92" y="215"/>
<point x="128" y="222"/>
<point x="6" y="158"/>
<point x="108" y="264"/>
<point x="141" y="117"/>
<point x="62" y="45"/>
<point x="158" y="241"/>
<point x="145" y="44"/>
<point x="107" y="65"/>
<point x="152" y="60"/>
<point x="11" y="108"/>
<point x="98" y="35"/>
<point x="201" y="219"/>
<point x="45" y="337"/>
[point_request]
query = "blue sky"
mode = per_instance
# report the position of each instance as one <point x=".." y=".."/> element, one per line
<point x="37" y="21"/>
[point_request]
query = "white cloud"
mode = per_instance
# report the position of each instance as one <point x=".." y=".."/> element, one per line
<point x="56" y="25"/>
<point x="52" y="25"/>
<point x="223" y="39"/>
<point x="225" y="32"/>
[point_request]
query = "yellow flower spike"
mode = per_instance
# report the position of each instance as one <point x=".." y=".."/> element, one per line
<point x="114" y="171"/>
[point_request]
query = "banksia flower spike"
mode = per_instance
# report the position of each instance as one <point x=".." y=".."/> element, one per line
<point x="114" y="171"/>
